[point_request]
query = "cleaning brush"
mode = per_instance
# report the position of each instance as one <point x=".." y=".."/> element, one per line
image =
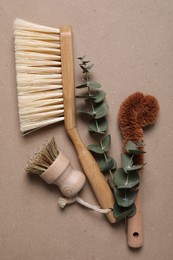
<point x="54" y="168"/>
<point x="136" y="112"/>
<point x="39" y="77"/>
<point x="45" y="83"/>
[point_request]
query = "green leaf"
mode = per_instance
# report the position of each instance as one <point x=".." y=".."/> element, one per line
<point x="105" y="143"/>
<point x="136" y="167"/>
<point x="84" y="85"/>
<point x="89" y="66"/>
<point x="82" y="96"/>
<point x="84" y="68"/>
<point x="132" y="148"/>
<point x="81" y="58"/>
<point x="105" y="165"/>
<point x="126" y="162"/>
<point x="86" y="61"/>
<point x="140" y="143"/>
<point x="120" y="214"/>
<point x="92" y="84"/>
<point x="114" y="165"/>
<point x="95" y="148"/>
<point x="97" y="96"/>
<point x="133" y="207"/>
<point x="83" y="111"/>
<point x="125" y="181"/>
<point x="101" y="110"/>
<point x="125" y="198"/>
<point x="136" y="152"/>
<point x="98" y="126"/>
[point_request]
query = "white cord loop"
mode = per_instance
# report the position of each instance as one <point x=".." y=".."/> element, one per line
<point x="66" y="201"/>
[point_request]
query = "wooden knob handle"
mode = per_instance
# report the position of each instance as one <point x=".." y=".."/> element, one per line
<point x="134" y="226"/>
<point x="69" y="181"/>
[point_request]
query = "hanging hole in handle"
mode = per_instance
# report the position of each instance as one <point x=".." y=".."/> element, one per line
<point x="136" y="234"/>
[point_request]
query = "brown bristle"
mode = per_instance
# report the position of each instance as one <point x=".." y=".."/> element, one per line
<point x="43" y="158"/>
<point x="137" y="112"/>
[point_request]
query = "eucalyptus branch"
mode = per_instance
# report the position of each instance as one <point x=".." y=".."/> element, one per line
<point x="98" y="124"/>
<point x="124" y="180"/>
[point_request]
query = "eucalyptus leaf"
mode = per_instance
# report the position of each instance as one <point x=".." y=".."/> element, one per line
<point x="125" y="198"/>
<point x="81" y="58"/>
<point x="83" y="96"/>
<point x="114" y="165"/>
<point x="101" y="110"/>
<point x="89" y="66"/>
<point x="95" y="148"/>
<point x="96" y="96"/>
<point x="140" y="143"/>
<point x="105" y="165"/>
<point x="85" y="70"/>
<point x="98" y="126"/>
<point x="83" y="111"/>
<point x="133" y="207"/>
<point x="136" y="167"/>
<point x="84" y="85"/>
<point x="136" y="152"/>
<point x="126" y="162"/>
<point x="86" y="61"/>
<point x="132" y="148"/>
<point x="93" y="84"/>
<point x="120" y="214"/>
<point x="125" y="181"/>
<point x="105" y="143"/>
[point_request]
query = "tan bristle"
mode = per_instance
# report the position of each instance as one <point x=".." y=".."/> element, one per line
<point x="39" y="75"/>
<point x="42" y="159"/>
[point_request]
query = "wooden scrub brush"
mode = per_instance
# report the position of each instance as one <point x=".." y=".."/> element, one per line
<point x="136" y="112"/>
<point x="54" y="168"/>
<point x="45" y="84"/>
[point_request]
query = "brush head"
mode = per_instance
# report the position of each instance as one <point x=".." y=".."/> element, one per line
<point x="55" y="168"/>
<point x="39" y="75"/>
<point x="43" y="159"/>
<point x="137" y="112"/>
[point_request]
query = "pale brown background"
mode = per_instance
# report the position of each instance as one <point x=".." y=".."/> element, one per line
<point x="131" y="45"/>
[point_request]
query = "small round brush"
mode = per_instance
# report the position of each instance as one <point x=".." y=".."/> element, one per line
<point x="136" y="112"/>
<point x="54" y="168"/>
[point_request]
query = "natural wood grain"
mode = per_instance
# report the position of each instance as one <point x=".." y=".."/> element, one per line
<point x="134" y="226"/>
<point x="60" y="172"/>
<point x="68" y="77"/>
<point x="96" y="179"/>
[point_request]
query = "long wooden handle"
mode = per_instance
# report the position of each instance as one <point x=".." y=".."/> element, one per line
<point x="134" y="226"/>
<point x="68" y="77"/>
<point x="96" y="179"/>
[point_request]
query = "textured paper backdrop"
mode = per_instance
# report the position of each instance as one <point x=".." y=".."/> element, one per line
<point x="131" y="45"/>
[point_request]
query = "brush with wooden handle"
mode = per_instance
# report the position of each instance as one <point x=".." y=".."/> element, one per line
<point x="45" y="84"/>
<point x="54" y="168"/>
<point x="136" y="112"/>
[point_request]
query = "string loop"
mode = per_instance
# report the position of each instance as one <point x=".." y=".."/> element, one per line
<point x="66" y="201"/>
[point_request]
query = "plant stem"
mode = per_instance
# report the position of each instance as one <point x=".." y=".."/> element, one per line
<point x="93" y="110"/>
<point x="106" y="159"/>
